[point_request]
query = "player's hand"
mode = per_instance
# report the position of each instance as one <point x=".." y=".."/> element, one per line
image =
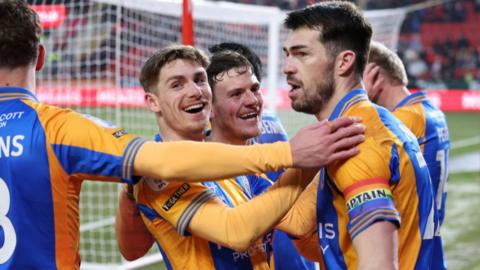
<point x="372" y="78"/>
<point x="320" y="144"/>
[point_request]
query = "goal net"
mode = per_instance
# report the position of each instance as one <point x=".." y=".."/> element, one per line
<point x="95" y="49"/>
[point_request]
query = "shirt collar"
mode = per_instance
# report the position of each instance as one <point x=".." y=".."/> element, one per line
<point x="412" y="99"/>
<point x="9" y="93"/>
<point x="350" y="99"/>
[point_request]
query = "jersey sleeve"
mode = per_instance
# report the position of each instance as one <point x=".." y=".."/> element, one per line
<point x="175" y="202"/>
<point x="88" y="147"/>
<point x="364" y="181"/>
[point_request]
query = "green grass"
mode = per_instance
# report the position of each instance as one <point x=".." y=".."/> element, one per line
<point x="463" y="126"/>
<point x="462" y="224"/>
<point x="461" y="230"/>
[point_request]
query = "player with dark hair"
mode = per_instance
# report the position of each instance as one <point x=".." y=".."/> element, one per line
<point x="358" y="203"/>
<point x="286" y="255"/>
<point x="46" y="152"/>
<point x="386" y="82"/>
<point x="214" y="223"/>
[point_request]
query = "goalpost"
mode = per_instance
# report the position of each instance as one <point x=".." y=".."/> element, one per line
<point x="95" y="49"/>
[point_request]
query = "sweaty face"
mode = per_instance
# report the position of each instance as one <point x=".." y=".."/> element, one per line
<point x="237" y="105"/>
<point x="184" y="98"/>
<point x="309" y="71"/>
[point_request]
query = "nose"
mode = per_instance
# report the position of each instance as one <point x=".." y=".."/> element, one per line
<point x="195" y="90"/>
<point x="252" y="99"/>
<point x="289" y="67"/>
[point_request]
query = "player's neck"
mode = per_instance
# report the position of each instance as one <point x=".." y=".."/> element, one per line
<point x="396" y="93"/>
<point x="18" y="77"/>
<point x="341" y="89"/>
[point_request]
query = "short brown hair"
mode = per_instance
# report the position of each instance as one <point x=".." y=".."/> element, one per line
<point x="150" y="73"/>
<point x="19" y="34"/>
<point x="389" y="61"/>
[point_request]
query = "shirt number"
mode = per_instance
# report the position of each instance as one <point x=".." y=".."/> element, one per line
<point x="442" y="158"/>
<point x="10" y="237"/>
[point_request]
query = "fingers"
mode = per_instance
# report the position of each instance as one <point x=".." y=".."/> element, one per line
<point x="347" y="143"/>
<point x="349" y="131"/>
<point x="342" y="122"/>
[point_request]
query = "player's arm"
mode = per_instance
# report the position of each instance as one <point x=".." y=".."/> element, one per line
<point x="240" y="227"/>
<point x="364" y="181"/>
<point x="91" y="150"/>
<point x="377" y="246"/>
<point x="133" y="238"/>
<point x="300" y="221"/>
<point x="314" y="146"/>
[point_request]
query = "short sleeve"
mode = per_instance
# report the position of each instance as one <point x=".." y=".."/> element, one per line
<point x="175" y="202"/>
<point x="364" y="181"/>
<point x="88" y="147"/>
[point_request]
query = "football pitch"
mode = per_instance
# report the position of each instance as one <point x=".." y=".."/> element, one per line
<point x="461" y="229"/>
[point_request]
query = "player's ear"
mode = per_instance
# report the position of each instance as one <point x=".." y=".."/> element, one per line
<point x="345" y="62"/>
<point x="151" y="100"/>
<point x="40" y="58"/>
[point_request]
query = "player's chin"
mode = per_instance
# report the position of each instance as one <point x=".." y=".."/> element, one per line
<point x="249" y="131"/>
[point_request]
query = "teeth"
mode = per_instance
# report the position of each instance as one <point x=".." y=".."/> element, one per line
<point x="249" y="115"/>
<point x="194" y="107"/>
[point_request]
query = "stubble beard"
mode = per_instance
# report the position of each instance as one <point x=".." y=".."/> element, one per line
<point x="312" y="102"/>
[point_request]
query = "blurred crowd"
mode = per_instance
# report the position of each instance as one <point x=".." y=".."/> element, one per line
<point x="446" y="56"/>
<point x="439" y="45"/>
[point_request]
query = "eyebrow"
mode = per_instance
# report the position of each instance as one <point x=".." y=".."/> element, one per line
<point x="256" y="84"/>
<point x="175" y="77"/>
<point x="183" y="77"/>
<point x="295" y="47"/>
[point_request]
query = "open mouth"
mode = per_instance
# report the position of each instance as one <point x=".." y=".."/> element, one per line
<point x="294" y="85"/>
<point x="195" y="108"/>
<point x="250" y="115"/>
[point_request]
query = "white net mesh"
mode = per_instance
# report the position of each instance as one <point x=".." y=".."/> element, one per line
<point x="94" y="53"/>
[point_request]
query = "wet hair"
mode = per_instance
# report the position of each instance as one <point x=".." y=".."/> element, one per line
<point x="248" y="53"/>
<point x="224" y="61"/>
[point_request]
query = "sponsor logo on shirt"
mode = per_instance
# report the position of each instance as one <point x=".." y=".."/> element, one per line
<point x="176" y="195"/>
<point x="119" y="133"/>
<point x="5" y="117"/>
<point x="156" y="184"/>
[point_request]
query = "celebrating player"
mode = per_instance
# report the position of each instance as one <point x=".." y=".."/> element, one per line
<point x="286" y="255"/>
<point x="386" y="82"/>
<point x="209" y="224"/>
<point x="46" y="152"/>
<point x="358" y="203"/>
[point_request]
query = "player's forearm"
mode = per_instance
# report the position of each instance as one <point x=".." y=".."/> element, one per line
<point x="194" y="161"/>
<point x="133" y="238"/>
<point x="377" y="246"/>
<point x="239" y="227"/>
<point x="300" y="221"/>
